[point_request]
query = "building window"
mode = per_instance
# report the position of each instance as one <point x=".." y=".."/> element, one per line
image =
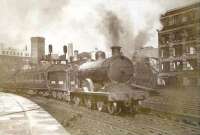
<point x="192" y="50"/>
<point x="53" y="82"/>
<point x="60" y="82"/>
<point x="172" y="37"/>
<point x="196" y="14"/>
<point x="184" y="19"/>
<point x="172" y="66"/>
<point x="189" y="66"/>
<point x="172" y="52"/>
<point x="184" y="35"/>
<point x="177" y="19"/>
<point x="179" y="65"/>
<point x="165" y="21"/>
<point x="162" y="53"/>
<point x="162" y="67"/>
<point x="171" y="20"/>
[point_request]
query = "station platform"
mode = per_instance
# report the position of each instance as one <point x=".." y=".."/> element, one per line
<point x="20" y="116"/>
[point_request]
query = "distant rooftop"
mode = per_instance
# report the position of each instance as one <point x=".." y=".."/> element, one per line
<point x="182" y="8"/>
<point x="9" y="51"/>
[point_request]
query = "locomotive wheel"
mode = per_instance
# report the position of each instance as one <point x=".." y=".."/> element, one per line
<point x="59" y="96"/>
<point x="54" y="94"/>
<point x="40" y="93"/>
<point x="43" y="94"/>
<point x="46" y="94"/>
<point x="100" y="106"/>
<point x="135" y="108"/>
<point x="76" y="101"/>
<point x="114" y="108"/>
<point x="130" y="106"/>
<point x="88" y="103"/>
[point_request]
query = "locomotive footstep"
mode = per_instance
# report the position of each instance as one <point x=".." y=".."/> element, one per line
<point x="101" y="106"/>
<point x="114" y="108"/>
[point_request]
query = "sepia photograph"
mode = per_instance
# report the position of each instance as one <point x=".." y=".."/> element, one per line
<point x="100" y="67"/>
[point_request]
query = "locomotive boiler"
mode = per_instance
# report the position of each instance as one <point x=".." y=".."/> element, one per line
<point x="117" y="68"/>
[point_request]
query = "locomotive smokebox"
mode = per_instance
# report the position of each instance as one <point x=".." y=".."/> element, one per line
<point x="116" y="50"/>
<point x="117" y="68"/>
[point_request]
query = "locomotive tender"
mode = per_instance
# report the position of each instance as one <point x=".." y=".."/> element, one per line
<point x="102" y="84"/>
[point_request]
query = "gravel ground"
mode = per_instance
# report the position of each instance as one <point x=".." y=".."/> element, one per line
<point x="82" y="121"/>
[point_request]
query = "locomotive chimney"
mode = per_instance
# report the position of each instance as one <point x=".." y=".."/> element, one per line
<point x="116" y="50"/>
<point x="50" y="52"/>
<point x="50" y="49"/>
<point x="75" y="55"/>
<point x="65" y="51"/>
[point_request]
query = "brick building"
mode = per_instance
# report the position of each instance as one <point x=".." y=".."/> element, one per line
<point x="11" y="60"/>
<point x="179" y="46"/>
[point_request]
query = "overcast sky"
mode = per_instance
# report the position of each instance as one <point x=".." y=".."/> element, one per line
<point x="83" y="22"/>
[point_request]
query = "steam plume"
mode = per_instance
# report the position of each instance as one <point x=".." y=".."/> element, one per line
<point x="88" y="24"/>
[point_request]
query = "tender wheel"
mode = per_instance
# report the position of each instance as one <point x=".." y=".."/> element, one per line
<point x="54" y="94"/>
<point x="100" y="106"/>
<point x="134" y="107"/>
<point x="130" y="106"/>
<point x="88" y="103"/>
<point x="67" y="98"/>
<point x="46" y="94"/>
<point x="76" y="101"/>
<point x="43" y="93"/>
<point x="40" y="93"/>
<point x="59" y="96"/>
<point x="114" y="108"/>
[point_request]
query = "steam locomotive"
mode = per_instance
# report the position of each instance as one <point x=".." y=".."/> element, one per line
<point x="101" y="84"/>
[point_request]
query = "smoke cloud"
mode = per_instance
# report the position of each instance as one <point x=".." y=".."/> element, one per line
<point x="87" y="24"/>
<point x="111" y="27"/>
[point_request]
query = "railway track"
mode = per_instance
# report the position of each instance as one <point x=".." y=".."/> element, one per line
<point x="185" y="107"/>
<point x="153" y="123"/>
<point x="141" y="124"/>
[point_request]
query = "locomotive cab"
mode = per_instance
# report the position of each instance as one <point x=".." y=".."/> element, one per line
<point x="57" y="76"/>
